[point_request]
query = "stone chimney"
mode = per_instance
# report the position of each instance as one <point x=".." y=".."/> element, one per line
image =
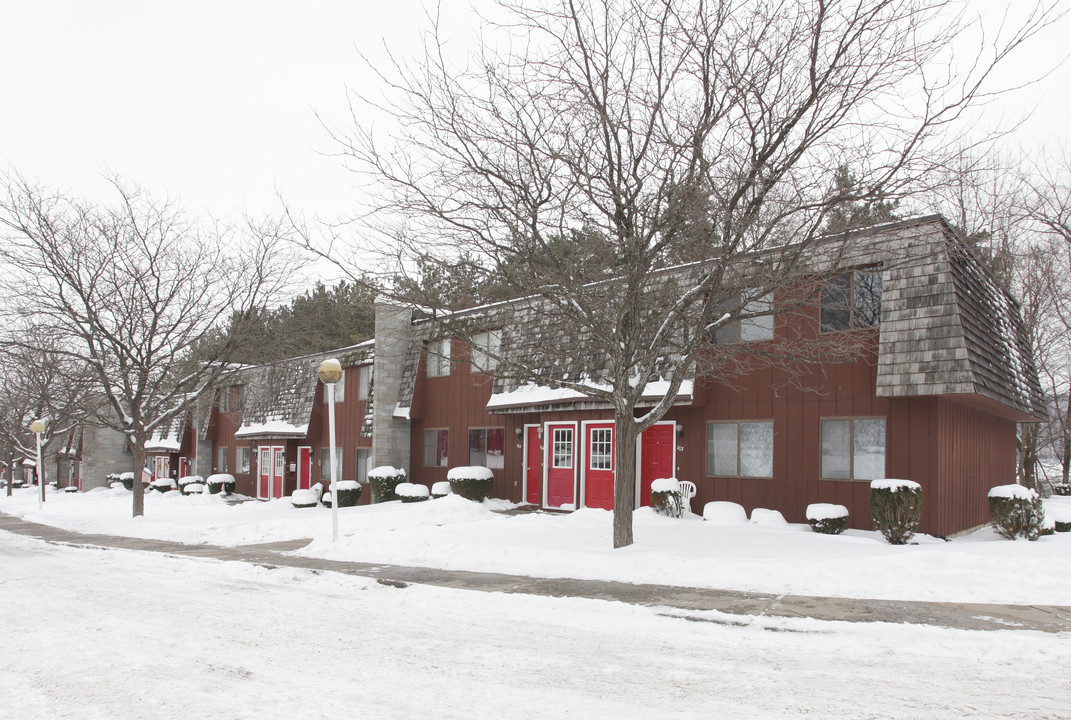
<point x="390" y="434"/>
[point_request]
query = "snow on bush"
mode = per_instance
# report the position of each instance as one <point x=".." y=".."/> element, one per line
<point x="71" y="489"/>
<point x="666" y="497"/>
<point x="163" y="484"/>
<point x="383" y="480"/>
<point x="412" y="492"/>
<point x="1060" y="516"/>
<point x="471" y="482"/>
<point x="827" y="518"/>
<point x="304" y="498"/>
<point x="441" y="489"/>
<point x="349" y="492"/>
<point x="1017" y="511"/>
<point x="220" y="482"/>
<point x="762" y="516"/>
<point x="721" y="512"/>
<point x="187" y="479"/>
<point x="896" y="508"/>
<point x="193" y="488"/>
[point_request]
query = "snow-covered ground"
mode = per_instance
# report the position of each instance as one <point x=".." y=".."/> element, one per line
<point x="454" y="533"/>
<point x="119" y="635"/>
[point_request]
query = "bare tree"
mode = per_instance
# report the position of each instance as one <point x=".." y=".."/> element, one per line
<point x="41" y="383"/>
<point x="702" y="133"/>
<point x="1047" y="206"/>
<point x="132" y="291"/>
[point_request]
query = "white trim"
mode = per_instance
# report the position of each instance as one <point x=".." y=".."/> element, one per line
<point x="309" y="478"/>
<point x="548" y="446"/>
<point x="639" y="456"/>
<point x="585" y="456"/>
<point x="524" y="460"/>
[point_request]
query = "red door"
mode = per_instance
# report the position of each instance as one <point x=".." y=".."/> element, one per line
<point x="264" y="469"/>
<point x="277" y="480"/>
<point x="656" y="457"/>
<point x="533" y="465"/>
<point x="304" y="468"/>
<point x="599" y="466"/>
<point x="183" y="467"/>
<point x="561" y="464"/>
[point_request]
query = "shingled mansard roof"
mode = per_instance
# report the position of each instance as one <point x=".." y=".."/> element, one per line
<point x="279" y="397"/>
<point x="947" y="327"/>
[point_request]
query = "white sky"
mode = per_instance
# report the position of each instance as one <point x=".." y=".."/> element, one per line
<point x="215" y="102"/>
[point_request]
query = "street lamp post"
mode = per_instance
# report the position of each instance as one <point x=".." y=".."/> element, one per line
<point x="38" y="427"/>
<point x="330" y="373"/>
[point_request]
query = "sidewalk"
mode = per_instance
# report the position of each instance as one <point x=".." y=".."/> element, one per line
<point x="964" y="616"/>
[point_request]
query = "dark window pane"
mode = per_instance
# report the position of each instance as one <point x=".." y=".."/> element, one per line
<point x="836" y="306"/>
<point x="867" y="300"/>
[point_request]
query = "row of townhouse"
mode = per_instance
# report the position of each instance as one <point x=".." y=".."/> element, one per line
<point x="935" y="397"/>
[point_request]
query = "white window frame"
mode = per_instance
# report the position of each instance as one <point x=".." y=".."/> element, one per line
<point x="438" y="358"/>
<point x="739" y="447"/>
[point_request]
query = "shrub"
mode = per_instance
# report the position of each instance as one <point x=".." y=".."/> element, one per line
<point x="163" y="484"/>
<point x="383" y="480"/>
<point x="186" y="481"/>
<point x="441" y="489"/>
<point x="349" y="492"/>
<point x="220" y="483"/>
<point x="1060" y="489"/>
<point x="666" y="497"/>
<point x="412" y="492"/>
<point x="722" y="512"/>
<point x="827" y="519"/>
<point x="896" y="508"/>
<point x="1017" y="511"/>
<point x="471" y="482"/>
<point x="71" y="489"/>
<point x="126" y="478"/>
<point x="305" y="498"/>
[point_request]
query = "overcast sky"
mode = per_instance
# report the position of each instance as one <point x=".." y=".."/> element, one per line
<point x="215" y="102"/>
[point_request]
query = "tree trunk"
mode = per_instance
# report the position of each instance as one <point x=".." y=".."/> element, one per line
<point x="624" y="478"/>
<point x="138" y="451"/>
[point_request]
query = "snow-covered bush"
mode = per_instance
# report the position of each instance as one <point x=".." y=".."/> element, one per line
<point x="304" y="498"/>
<point x="762" y="516"/>
<point x="163" y="484"/>
<point x="220" y="483"/>
<point x="412" y="492"/>
<point x="1060" y="516"/>
<point x="896" y="508"/>
<point x="441" y="489"/>
<point x="1017" y="512"/>
<point x="1061" y="489"/>
<point x="186" y="480"/>
<point x="383" y="480"/>
<point x="471" y="482"/>
<point x="126" y="479"/>
<point x="827" y="519"/>
<point x="721" y="512"/>
<point x="71" y="489"/>
<point x="666" y="497"/>
<point x="349" y="492"/>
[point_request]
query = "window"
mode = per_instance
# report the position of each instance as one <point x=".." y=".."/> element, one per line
<point x="853" y="449"/>
<point x="439" y="358"/>
<point x="749" y="329"/>
<point x="225" y="400"/>
<point x="223" y="464"/>
<point x="486" y="447"/>
<point x="602" y="449"/>
<point x="340" y="388"/>
<point x="244" y="456"/>
<point x="364" y="463"/>
<point x="325" y="463"/>
<point x="486" y="347"/>
<point x="851" y="300"/>
<point x="562" y="456"/>
<point x="740" y="449"/>
<point x="435" y="448"/>
<point x="239" y="400"/>
<point x="162" y="466"/>
<point x="364" y="381"/>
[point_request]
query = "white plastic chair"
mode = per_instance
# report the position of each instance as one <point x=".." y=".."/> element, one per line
<point x="688" y="490"/>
